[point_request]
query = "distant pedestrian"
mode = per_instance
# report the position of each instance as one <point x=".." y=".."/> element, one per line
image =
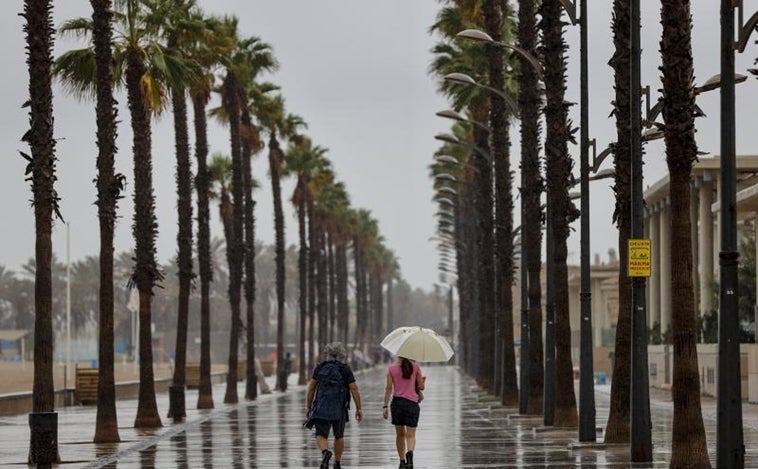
<point x="328" y="401"/>
<point x="404" y="384"/>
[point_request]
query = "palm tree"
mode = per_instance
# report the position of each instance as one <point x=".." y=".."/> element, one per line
<point x="303" y="159"/>
<point x="334" y="203"/>
<point x="262" y="59"/>
<point x="178" y="25"/>
<point x="272" y="118"/>
<point x="365" y="234"/>
<point x="149" y="69"/>
<point x="43" y="448"/>
<point x="618" y="428"/>
<point x="493" y="12"/>
<point x="688" y="446"/>
<point x="202" y="186"/>
<point x="452" y="175"/>
<point x="470" y="59"/>
<point x="206" y="52"/>
<point x="221" y="173"/>
<point x="562" y="212"/>
<point x="532" y="186"/>
<point x="109" y="187"/>
<point x="244" y="61"/>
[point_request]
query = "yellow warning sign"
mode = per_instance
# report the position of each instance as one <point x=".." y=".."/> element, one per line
<point x="639" y="258"/>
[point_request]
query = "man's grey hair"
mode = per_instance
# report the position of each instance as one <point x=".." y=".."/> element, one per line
<point x="335" y="351"/>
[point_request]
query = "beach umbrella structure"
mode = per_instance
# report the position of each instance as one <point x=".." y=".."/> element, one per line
<point x="417" y="343"/>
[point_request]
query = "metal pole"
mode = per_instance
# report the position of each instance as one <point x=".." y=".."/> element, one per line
<point x="641" y="448"/>
<point x="548" y="393"/>
<point x="586" y="385"/>
<point x="523" y="401"/>
<point x="730" y="450"/>
<point x="68" y="305"/>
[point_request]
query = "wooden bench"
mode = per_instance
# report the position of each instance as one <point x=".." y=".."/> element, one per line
<point x="86" y="385"/>
<point x="192" y="376"/>
<point x="241" y="369"/>
<point x="267" y="366"/>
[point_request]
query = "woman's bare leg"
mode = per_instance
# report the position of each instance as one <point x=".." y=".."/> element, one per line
<point x="410" y="438"/>
<point x="400" y="441"/>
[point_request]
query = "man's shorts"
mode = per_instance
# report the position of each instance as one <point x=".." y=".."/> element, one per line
<point x="323" y="427"/>
<point x="404" y="412"/>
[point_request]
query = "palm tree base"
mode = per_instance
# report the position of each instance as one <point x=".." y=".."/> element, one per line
<point x="176" y="407"/>
<point x="43" y="448"/>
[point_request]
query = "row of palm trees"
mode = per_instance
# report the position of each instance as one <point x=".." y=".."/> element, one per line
<point x="475" y="218"/>
<point x="164" y="52"/>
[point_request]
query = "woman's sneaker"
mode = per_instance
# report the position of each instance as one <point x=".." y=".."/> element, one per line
<point x="325" y="461"/>
<point x="409" y="460"/>
<point x="402" y="465"/>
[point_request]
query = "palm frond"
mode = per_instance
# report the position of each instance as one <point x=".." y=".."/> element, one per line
<point x="76" y="70"/>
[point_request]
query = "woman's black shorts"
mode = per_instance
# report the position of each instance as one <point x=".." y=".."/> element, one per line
<point x="404" y="412"/>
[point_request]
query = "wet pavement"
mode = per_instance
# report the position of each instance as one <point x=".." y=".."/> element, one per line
<point x="460" y="427"/>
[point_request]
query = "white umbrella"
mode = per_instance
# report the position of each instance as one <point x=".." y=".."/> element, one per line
<point x="418" y="343"/>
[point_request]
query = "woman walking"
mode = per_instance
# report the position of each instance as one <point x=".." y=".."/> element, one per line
<point x="404" y="381"/>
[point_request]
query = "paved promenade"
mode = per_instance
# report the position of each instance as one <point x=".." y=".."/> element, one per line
<point x="459" y="428"/>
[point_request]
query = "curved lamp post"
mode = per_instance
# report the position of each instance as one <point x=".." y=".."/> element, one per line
<point x="730" y="448"/>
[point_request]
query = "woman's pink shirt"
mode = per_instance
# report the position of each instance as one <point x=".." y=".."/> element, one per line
<point x="405" y="388"/>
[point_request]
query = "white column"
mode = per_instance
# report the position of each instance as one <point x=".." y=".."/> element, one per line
<point x="694" y="239"/>
<point x="654" y="295"/>
<point x="705" y="245"/>
<point x="665" y="262"/>
<point x="717" y="230"/>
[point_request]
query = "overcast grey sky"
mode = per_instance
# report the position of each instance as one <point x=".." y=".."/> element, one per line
<point x="356" y="71"/>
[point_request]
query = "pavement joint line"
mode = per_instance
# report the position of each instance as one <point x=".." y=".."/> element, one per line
<point x="175" y="430"/>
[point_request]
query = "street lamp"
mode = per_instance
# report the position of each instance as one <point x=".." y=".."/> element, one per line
<point x="457" y="116"/>
<point x="730" y="449"/>
<point x="450" y="138"/>
<point x="481" y="36"/>
<point x="586" y="385"/>
<point x="463" y="79"/>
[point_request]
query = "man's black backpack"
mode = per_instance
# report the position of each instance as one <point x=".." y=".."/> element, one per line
<point x="332" y="394"/>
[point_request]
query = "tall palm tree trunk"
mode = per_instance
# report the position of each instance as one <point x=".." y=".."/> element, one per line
<point x="486" y="259"/>
<point x="532" y="186"/>
<point x="358" y="273"/>
<point x="145" y="227"/>
<point x="391" y="306"/>
<point x="276" y="158"/>
<point x="321" y="281"/>
<point x="184" y="242"/>
<point x="618" y="428"/>
<point x="312" y="262"/>
<point x="500" y="145"/>
<point x="561" y="210"/>
<point x="342" y="300"/>
<point x="108" y="190"/>
<point x="235" y="249"/>
<point x="43" y="447"/>
<point x="332" y="287"/>
<point x="202" y="185"/>
<point x="688" y="443"/>
<point x="303" y="274"/>
<point x="466" y="258"/>
<point x="251" y="380"/>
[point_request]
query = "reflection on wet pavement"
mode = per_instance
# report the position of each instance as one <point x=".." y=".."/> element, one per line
<point x="457" y="429"/>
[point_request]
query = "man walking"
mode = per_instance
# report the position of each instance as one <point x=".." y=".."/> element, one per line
<point x="328" y="401"/>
